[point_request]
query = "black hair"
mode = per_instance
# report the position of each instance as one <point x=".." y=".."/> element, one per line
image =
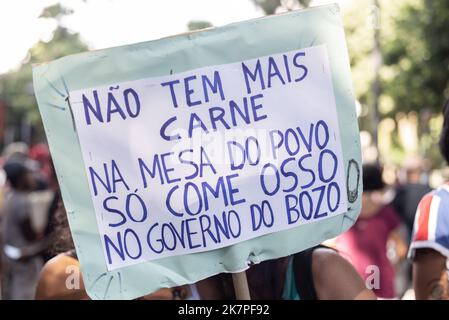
<point x="444" y="137"/>
<point x="61" y="237"/>
<point x="372" y="177"/>
<point x="15" y="172"/>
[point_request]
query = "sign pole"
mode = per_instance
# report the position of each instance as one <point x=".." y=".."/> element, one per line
<point x="241" y="286"/>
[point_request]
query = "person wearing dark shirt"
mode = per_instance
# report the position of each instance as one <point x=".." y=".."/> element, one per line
<point x="409" y="193"/>
<point x="429" y="249"/>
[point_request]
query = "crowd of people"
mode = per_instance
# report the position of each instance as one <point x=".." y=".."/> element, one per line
<point x="397" y="248"/>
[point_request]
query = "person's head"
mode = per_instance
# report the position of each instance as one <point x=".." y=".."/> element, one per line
<point x="372" y="178"/>
<point x="19" y="175"/>
<point x="373" y="186"/>
<point x="444" y="137"/>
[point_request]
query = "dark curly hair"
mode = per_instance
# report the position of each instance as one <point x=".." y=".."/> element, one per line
<point x="444" y="138"/>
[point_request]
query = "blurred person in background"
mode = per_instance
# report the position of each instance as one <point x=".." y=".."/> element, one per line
<point x="21" y="243"/>
<point x="41" y="155"/>
<point x="45" y="192"/>
<point x="15" y="151"/>
<point x="365" y="244"/>
<point x="429" y="249"/>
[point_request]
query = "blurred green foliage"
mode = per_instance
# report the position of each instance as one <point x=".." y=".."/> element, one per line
<point x="56" y="11"/>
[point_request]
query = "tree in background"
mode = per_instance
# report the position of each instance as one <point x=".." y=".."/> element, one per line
<point x="414" y="75"/>
<point x="16" y="87"/>
<point x="271" y="6"/>
<point x="413" y="39"/>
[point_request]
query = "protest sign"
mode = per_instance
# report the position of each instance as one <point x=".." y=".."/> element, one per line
<point x="201" y="153"/>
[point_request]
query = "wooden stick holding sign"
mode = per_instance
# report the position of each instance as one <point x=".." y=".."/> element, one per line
<point x="241" y="286"/>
